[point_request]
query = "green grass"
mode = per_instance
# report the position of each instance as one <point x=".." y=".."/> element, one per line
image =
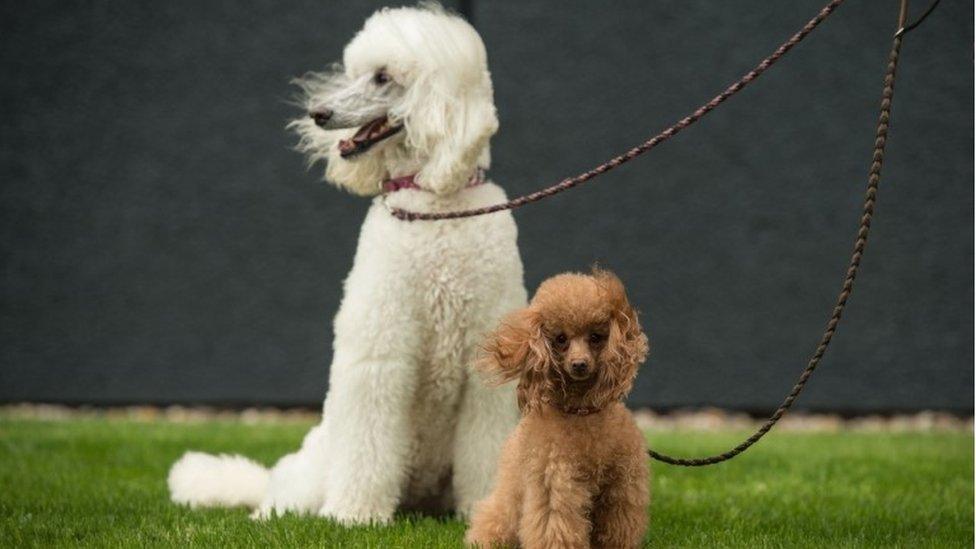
<point x="102" y="483"/>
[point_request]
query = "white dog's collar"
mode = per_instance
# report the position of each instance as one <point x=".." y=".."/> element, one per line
<point x="410" y="182"/>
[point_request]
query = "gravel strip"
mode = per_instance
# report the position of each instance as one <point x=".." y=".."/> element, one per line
<point x="708" y="419"/>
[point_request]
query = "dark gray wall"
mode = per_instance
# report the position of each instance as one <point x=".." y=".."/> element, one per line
<point x="160" y="242"/>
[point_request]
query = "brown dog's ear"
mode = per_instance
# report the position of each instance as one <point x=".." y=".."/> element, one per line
<point x="515" y="346"/>
<point x="627" y="345"/>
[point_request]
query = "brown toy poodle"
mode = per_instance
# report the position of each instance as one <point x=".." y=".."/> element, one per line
<point x="574" y="473"/>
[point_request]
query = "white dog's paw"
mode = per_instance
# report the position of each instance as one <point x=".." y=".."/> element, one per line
<point x="463" y="512"/>
<point x="269" y="511"/>
<point x="357" y="515"/>
<point x="263" y="513"/>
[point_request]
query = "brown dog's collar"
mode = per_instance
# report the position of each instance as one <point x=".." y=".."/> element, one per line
<point x="581" y="410"/>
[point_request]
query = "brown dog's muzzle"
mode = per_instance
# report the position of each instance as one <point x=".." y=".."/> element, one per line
<point x="578" y="360"/>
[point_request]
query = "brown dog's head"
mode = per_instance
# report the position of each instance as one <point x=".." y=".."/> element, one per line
<point x="577" y="345"/>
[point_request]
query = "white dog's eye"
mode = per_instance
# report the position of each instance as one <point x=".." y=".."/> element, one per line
<point x="381" y="77"/>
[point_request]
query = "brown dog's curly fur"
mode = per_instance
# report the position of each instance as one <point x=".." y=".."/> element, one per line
<point x="574" y="473"/>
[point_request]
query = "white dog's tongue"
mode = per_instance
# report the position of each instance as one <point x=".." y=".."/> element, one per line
<point x="363" y="136"/>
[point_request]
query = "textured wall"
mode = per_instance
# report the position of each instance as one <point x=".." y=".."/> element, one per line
<point x="160" y="242"/>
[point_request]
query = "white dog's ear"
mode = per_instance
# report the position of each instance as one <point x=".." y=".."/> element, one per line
<point x="450" y="125"/>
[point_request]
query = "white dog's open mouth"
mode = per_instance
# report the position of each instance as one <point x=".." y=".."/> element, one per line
<point x="368" y="135"/>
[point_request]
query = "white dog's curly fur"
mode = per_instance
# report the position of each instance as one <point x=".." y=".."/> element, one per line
<point x="406" y="422"/>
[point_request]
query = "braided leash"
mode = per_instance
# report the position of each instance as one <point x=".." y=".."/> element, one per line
<point x="874" y="178"/>
<point x="668" y="133"/>
<point x="870" y="196"/>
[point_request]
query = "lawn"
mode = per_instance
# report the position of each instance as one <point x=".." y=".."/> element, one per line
<point x="102" y="483"/>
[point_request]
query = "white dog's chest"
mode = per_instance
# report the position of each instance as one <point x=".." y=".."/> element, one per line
<point x="455" y="319"/>
<point x="424" y="294"/>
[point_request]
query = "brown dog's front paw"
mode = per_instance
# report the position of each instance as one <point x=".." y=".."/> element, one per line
<point x="476" y="537"/>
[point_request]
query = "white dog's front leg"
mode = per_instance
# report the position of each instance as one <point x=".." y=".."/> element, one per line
<point x="486" y="417"/>
<point x="366" y="412"/>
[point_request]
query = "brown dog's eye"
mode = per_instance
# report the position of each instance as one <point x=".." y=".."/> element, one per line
<point x="381" y="77"/>
<point x="560" y="339"/>
<point x="596" y="338"/>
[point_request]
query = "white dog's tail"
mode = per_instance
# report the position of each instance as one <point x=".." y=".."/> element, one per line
<point x="204" y="480"/>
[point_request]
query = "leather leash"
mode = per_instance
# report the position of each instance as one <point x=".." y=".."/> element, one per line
<point x="867" y="212"/>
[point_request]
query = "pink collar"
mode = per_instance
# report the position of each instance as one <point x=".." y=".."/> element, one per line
<point x="408" y="182"/>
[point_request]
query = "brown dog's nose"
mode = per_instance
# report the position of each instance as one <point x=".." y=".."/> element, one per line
<point x="321" y="117"/>
<point x="579" y="368"/>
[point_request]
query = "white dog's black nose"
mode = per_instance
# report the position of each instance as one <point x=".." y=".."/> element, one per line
<point x="321" y="117"/>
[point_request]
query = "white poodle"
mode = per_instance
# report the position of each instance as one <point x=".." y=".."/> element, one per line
<point x="406" y="422"/>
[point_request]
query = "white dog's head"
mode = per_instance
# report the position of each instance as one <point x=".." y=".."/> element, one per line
<point x="412" y="96"/>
